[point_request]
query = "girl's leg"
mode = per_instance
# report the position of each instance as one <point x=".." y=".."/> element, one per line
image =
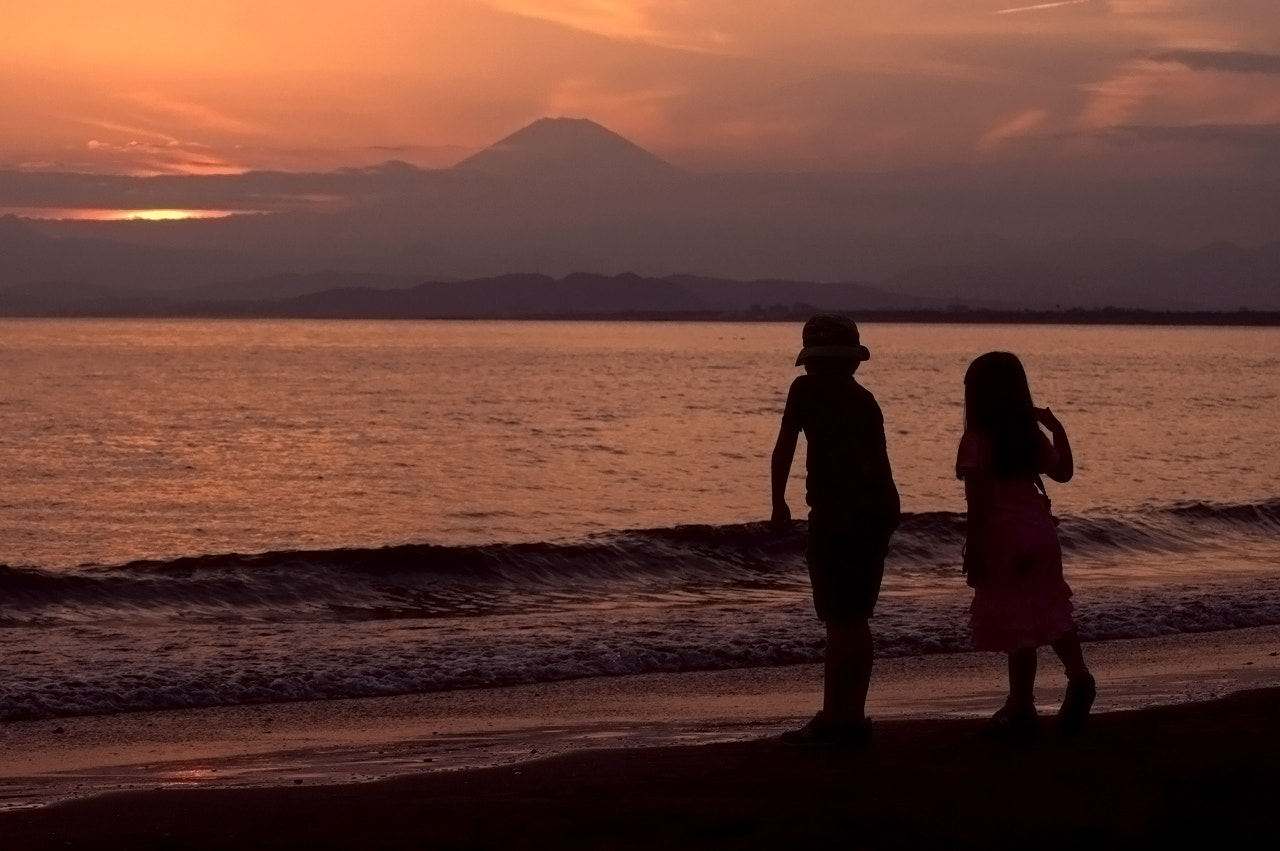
<point x="1068" y="649"/>
<point x="1016" y="720"/>
<point x="1081" y="687"/>
<point x="1022" y="677"/>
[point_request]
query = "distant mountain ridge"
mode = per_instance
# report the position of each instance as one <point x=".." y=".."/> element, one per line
<point x="512" y="295"/>
<point x="565" y="196"/>
<point x="47" y="274"/>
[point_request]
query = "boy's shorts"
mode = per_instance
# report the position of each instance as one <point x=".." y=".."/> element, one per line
<point x="846" y="563"/>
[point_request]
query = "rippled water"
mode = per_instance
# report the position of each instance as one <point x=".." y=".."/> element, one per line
<point x="457" y="505"/>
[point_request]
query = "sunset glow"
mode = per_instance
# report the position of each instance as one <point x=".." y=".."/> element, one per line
<point x="160" y="215"/>
<point x="147" y="87"/>
<point x="403" y="402"/>
<point x="87" y="214"/>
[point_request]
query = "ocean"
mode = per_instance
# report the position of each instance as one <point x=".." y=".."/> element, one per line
<point x="217" y="512"/>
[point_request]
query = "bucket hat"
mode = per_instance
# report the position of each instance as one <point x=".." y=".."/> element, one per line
<point x="831" y="335"/>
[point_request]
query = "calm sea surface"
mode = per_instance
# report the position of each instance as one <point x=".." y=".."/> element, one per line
<point x="203" y="512"/>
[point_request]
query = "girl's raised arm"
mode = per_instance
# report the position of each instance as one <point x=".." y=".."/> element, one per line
<point x="1066" y="466"/>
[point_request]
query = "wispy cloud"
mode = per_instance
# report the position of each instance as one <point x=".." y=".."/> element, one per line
<point x="141" y="151"/>
<point x="136" y="133"/>
<point x="1121" y="97"/>
<point x="644" y="21"/>
<point x="192" y="114"/>
<point x="159" y="134"/>
<point x="1021" y="125"/>
<point x="1040" y="7"/>
<point x="606" y="17"/>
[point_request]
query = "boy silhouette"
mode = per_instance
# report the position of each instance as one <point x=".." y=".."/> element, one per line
<point x="853" y="510"/>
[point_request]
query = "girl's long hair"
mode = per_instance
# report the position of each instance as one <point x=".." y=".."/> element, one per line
<point x="997" y="402"/>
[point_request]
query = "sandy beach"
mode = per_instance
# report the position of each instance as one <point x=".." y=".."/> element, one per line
<point x="674" y="760"/>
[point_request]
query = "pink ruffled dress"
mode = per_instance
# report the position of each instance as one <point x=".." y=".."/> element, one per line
<point x="1023" y="600"/>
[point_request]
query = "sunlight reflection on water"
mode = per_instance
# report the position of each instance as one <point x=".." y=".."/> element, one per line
<point x="128" y="438"/>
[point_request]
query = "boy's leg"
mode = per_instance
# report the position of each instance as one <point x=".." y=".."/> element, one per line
<point x="847" y="672"/>
<point x="846" y="679"/>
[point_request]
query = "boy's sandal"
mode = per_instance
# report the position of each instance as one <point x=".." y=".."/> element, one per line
<point x="1081" y="692"/>
<point x="820" y="732"/>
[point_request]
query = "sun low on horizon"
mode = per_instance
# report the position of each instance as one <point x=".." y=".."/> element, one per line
<point x="150" y="87"/>
<point x="91" y="214"/>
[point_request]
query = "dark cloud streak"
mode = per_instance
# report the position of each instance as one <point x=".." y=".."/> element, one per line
<point x="1260" y="136"/>
<point x="1229" y="61"/>
<point x="254" y="190"/>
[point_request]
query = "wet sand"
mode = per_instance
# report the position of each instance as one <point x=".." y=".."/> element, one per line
<point x="678" y="760"/>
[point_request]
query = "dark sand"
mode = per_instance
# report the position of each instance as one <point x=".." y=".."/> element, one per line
<point x="681" y="761"/>
<point x="1168" y="776"/>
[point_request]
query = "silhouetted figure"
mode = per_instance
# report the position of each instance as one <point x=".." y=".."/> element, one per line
<point x="1012" y="556"/>
<point x="853" y="510"/>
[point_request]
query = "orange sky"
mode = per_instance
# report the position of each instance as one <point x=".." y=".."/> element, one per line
<point x="150" y="86"/>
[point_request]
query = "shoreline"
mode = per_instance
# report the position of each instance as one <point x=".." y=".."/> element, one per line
<point x="328" y="743"/>
<point x="1167" y="776"/>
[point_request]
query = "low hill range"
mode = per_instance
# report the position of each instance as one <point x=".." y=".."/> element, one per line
<point x="1065" y="276"/>
<point x="505" y="296"/>
<point x="532" y="296"/>
<point x="608" y="226"/>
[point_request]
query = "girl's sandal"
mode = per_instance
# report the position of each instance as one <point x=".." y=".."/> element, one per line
<point x="1081" y="691"/>
<point x="1012" y="724"/>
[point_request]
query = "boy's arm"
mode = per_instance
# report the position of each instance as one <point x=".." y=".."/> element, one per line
<point x="779" y="471"/>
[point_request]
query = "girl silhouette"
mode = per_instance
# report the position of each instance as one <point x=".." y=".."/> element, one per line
<point x="1012" y="555"/>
